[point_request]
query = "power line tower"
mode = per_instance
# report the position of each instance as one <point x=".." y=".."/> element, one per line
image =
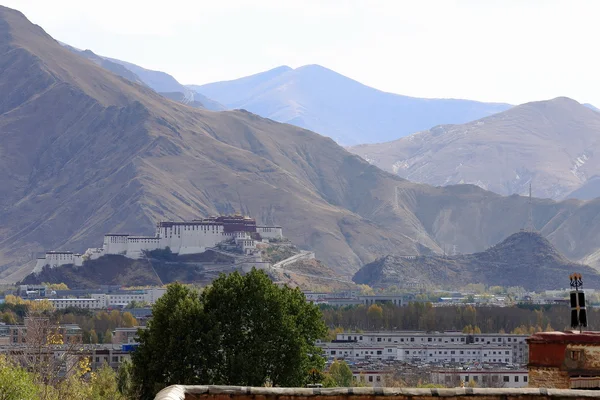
<point x="530" y="227"/>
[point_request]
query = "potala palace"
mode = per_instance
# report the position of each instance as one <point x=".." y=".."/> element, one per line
<point x="191" y="237"/>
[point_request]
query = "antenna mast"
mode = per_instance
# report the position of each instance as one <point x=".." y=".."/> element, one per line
<point x="530" y="227"/>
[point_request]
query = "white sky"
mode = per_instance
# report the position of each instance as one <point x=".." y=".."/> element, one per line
<point x="511" y="51"/>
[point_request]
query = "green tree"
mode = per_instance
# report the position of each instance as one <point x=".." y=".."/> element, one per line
<point x="341" y="373"/>
<point x="375" y="315"/>
<point x="128" y="320"/>
<point x="93" y="336"/>
<point x="124" y="379"/>
<point x="328" y="381"/>
<point x="55" y="286"/>
<point x="104" y="385"/>
<point x="15" y="382"/>
<point x="266" y="332"/>
<point x="174" y="347"/>
<point x="107" y="337"/>
<point x="8" y="318"/>
<point x="366" y="290"/>
<point x="137" y="304"/>
<point x="243" y="330"/>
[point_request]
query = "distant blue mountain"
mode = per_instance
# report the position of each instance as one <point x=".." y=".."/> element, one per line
<point x="164" y="83"/>
<point x="158" y="81"/>
<point x="331" y="104"/>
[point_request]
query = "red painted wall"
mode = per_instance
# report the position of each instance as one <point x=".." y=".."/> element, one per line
<point x="547" y="354"/>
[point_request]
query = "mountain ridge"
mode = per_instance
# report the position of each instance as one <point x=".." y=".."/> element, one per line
<point x="547" y="143"/>
<point x="159" y="81"/>
<point x="84" y="152"/>
<point x="110" y="154"/>
<point x="324" y="101"/>
<point x="524" y="259"/>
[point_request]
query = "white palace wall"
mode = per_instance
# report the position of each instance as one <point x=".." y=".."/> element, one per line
<point x="270" y="232"/>
<point x="115" y="243"/>
<point x="192" y="237"/>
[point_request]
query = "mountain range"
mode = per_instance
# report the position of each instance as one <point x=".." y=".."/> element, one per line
<point x="159" y="81"/>
<point x="523" y="259"/>
<point x="551" y="144"/>
<point x="85" y="151"/>
<point x="324" y="101"/>
<point x="282" y="88"/>
<point x="310" y="97"/>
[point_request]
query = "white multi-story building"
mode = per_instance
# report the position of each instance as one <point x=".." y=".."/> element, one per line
<point x="358" y="351"/>
<point x="270" y="232"/>
<point x="118" y="299"/>
<point x="455" y="353"/>
<point x="57" y="258"/>
<point x="419" y="341"/>
<point x="90" y="303"/>
<point x="494" y="378"/>
<point x="419" y="353"/>
<point x="191" y="237"/>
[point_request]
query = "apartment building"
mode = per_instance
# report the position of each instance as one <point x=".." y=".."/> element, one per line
<point x="456" y="353"/>
<point x="490" y="378"/>
<point x="115" y="299"/>
<point x="419" y="353"/>
<point x="437" y="346"/>
<point x="373" y="378"/>
<point x="37" y="330"/>
<point x="126" y="335"/>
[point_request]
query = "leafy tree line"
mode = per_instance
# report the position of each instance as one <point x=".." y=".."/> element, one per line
<point x="423" y="316"/>
<point x="39" y="372"/>
<point x="96" y="327"/>
<point x="242" y="330"/>
<point x="17" y="383"/>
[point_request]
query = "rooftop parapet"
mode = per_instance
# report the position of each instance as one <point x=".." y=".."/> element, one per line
<point x="182" y="392"/>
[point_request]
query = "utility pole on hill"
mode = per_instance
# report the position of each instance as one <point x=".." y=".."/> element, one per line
<point x="530" y="227"/>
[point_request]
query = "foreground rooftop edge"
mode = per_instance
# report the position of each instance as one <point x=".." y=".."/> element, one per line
<point x="183" y="392"/>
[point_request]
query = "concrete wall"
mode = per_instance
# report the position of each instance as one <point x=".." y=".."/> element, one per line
<point x="180" y="392"/>
<point x="270" y="232"/>
<point x="303" y="255"/>
<point x="115" y="244"/>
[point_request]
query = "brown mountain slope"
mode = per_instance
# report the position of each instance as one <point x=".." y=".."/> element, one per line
<point x="550" y="143"/>
<point x="84" y="152"/>
<point x="524" y="259"/>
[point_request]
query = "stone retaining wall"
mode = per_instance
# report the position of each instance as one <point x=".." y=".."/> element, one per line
<point x="180" y="392"/>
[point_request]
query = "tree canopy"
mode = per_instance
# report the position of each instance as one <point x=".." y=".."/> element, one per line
<point x="15" y="382"/>
<point x="341" y="373"/>
<point x="242" y="330"/>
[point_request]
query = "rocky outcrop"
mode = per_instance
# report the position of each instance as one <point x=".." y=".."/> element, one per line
<point x="524" y="259"/>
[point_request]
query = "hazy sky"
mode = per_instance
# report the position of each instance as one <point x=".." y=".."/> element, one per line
<point x="510" y="51"/>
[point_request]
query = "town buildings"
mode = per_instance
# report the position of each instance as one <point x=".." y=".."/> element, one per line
<point x="429" y="347"/>
<point x="37" y="330"/>
<point x="481" y="377"/>
<point x="353" y="297"/>
<point x="126" y="335"/>
<point x="187" y="237"/>
<point x="115" y="299"/>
